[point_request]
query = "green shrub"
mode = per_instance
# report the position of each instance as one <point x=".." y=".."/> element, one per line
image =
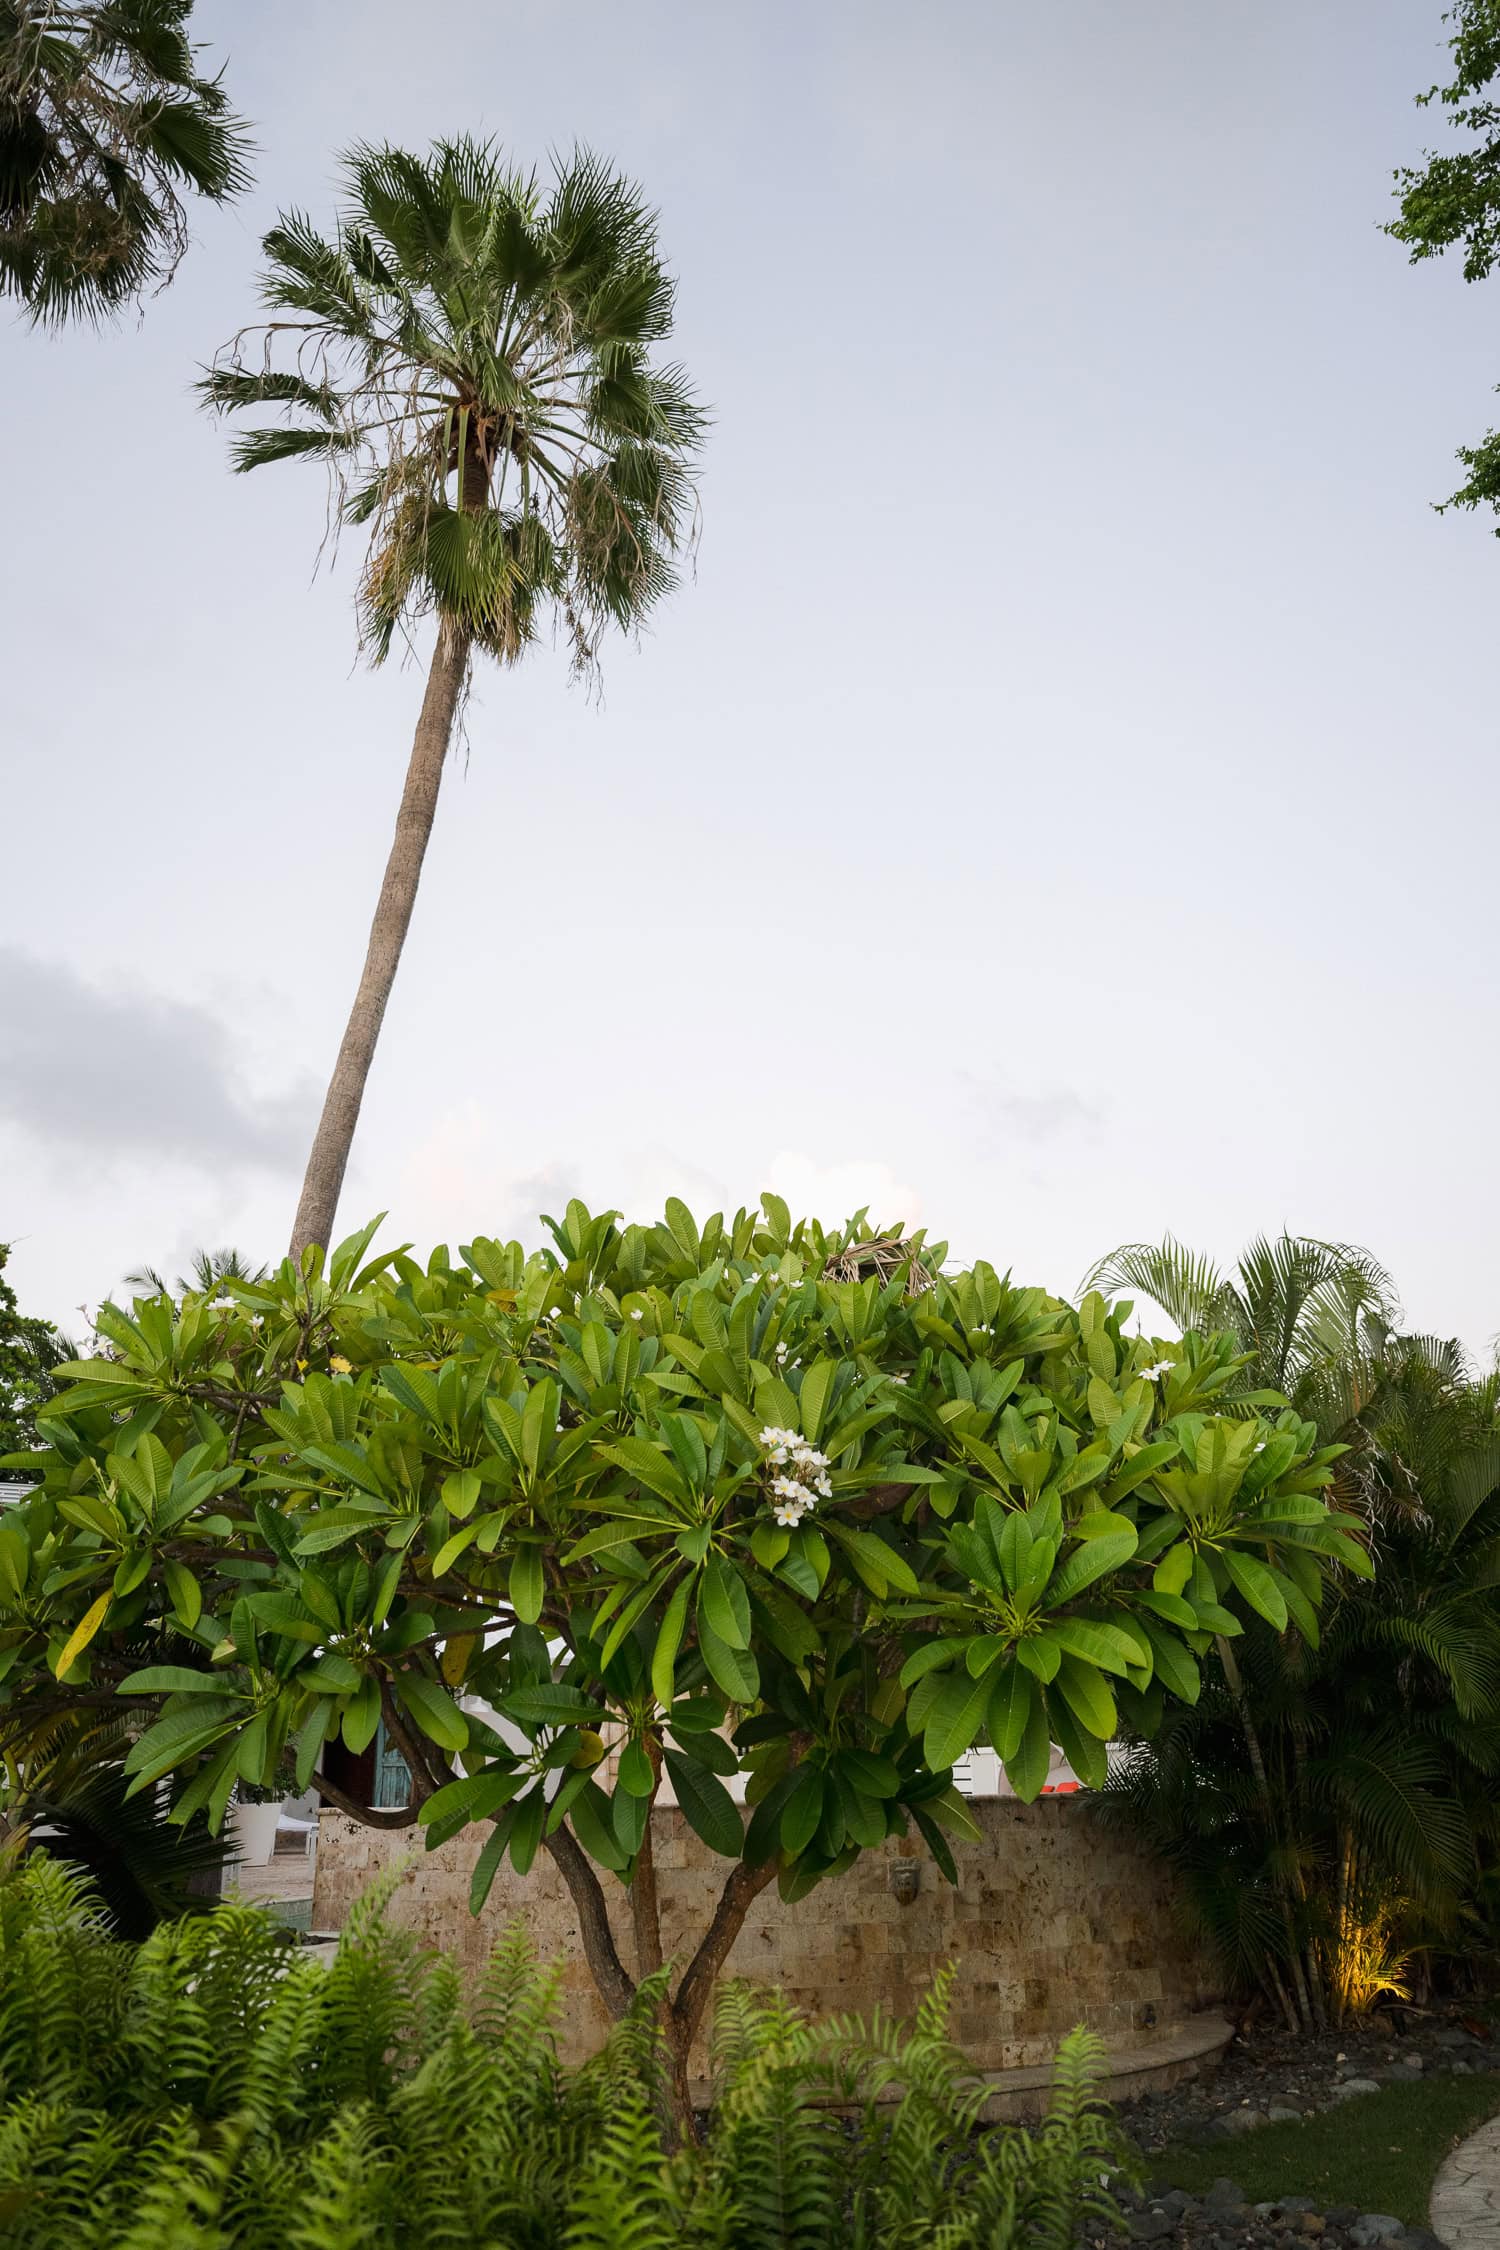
<point x="204" y="2090"/>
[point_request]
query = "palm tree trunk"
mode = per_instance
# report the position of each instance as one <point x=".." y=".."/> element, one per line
<point x="398" y="895"/>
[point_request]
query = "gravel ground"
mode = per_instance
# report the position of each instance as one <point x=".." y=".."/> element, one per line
<point x="1265" y="2076"/>
<point x="1223" y="2220"/>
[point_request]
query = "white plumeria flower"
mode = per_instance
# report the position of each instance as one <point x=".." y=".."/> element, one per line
<point x="898" y="1378"/>
<point x="1149" y="1374"/>
<point x="223" y="1304"/>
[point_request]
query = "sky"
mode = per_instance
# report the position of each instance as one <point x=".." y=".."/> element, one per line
<point x="1059" y="808"/>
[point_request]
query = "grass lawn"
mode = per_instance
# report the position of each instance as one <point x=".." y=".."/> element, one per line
<point x="1379" y="2152"/>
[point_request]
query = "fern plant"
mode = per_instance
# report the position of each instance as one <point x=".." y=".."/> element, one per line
<point x="207" y="2090"/>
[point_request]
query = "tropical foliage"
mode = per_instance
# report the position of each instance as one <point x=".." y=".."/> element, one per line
<point x="106" y="125"/>
<point x="1329" y="1797"/>
<point x="66" y="1792"/>
<point x="209" y="1268"/>
<point x="203" y="2091"/>
<point x="1453" y="201"/>
<point x="474" y="362"/>
<point x="29" y="1351"/>
<point x="753" y="1508"/>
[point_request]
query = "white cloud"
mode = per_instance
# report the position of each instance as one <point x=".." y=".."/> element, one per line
<point x="134" y="1075"/>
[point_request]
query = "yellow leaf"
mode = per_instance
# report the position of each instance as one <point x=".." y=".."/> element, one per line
<point x="82" y="1633"/>
<point x="455" y="1657"/>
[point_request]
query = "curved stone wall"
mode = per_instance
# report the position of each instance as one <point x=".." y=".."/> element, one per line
<point x="1053" y="1923"/>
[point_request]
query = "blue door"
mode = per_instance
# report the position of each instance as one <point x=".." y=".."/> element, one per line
<point x="392" y="1774"/>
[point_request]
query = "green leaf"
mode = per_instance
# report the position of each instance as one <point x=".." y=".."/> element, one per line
<point x="589" y="1817"/>
<point x="723" y="1603"/>
<point x="668" y="1642"/>
<point x="449" y="1552"/>
<point x="733" y="1671"/>
<point x="461" y="1492"/>
<point x="551" y="1704"/>
<point x="647" y="1466"/>
<point x="634" y="1772"/>
<point x="1094" y="1642"/>
<point x="526" y="1829"/>
<point x="1092" y="1559"/>
<point x="1040" y="1656"/>
<point x="1083" y="1689"/>
<point x="1027" y="1770"/>
<point x="956" y="1716"/>
<point x="528" y="1585"/>
<point x="172" y="1679"/>
<point x="1012" y="1695"/>
<point x="707" y="1806"/>
<point x="1257" y="1582"/>
<point x="1085" y="1753"/>
<point x="802" y="1812"/>
<point x="436" y="1714"/>
<point x="361" y="1717"/>
<point x="629" y="1816"/>
<point x="487" y="1866"/>
<point x="1175" y="1667"/>
<point x="872" y="1776"/>
<point x="878" y="1565"/>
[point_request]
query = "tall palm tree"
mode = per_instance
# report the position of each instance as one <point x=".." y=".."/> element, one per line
<point x="473" y="361"/>
<point x="106" y="123"/>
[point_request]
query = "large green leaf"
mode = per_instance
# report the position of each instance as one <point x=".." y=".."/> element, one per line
<point x="955" y="1718"/>
<point x="723" y="1603"/>
<point x="435" y="1712"/>
<point x="733" y="1670"/>
<point x="707" y="1806"/>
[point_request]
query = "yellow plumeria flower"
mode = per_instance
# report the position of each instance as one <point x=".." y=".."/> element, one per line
<point x="340" y="1365"/>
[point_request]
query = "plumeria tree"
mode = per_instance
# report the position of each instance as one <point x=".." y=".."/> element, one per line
<point x="663" y="1504"/>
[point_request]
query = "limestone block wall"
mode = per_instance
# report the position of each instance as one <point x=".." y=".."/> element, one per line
<point x="1052" y="1923"/>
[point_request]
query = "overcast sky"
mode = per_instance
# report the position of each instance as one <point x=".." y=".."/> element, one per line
<point x="1062" y="809"/>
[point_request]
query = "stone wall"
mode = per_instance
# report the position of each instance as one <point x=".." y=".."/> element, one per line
<point x="1053" y="1923"/>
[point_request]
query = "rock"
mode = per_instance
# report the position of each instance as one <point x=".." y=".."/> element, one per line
<point x="1152" y="2226"/>
<point x="1237" y="2121"/>
<point x="1175" y="2202"/>
<point x="1400" y="2074"/>
<point x="1295" y="2205"/>
<point x="1413" y="2061"/>
<point x="1452" y="2037"/>
<point x="1461" y="2068"/>
<point x="1353" y="2086"/>
<point x="1375" y="2227"/>
<point x="1282" y="2113"/>
<point x="1224" y="2196"/>
<point x="1342" y="2215"/>
<point x="1311" y="2223"/>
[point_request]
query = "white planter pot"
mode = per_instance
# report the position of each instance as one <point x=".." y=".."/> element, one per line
<point x="255" y="1832"/>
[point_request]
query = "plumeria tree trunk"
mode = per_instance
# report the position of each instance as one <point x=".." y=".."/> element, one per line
<point x="691" y="1986"/>
<point x="398" y="894"/>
